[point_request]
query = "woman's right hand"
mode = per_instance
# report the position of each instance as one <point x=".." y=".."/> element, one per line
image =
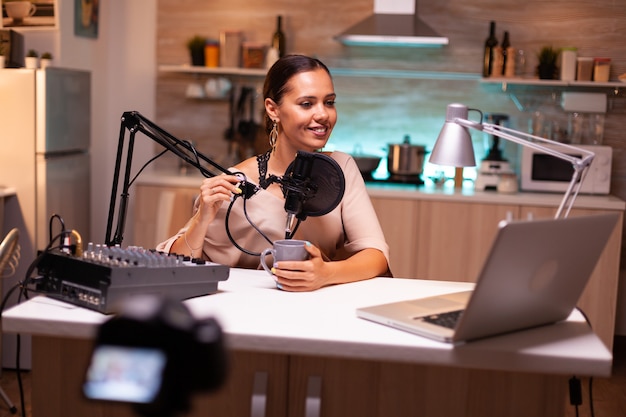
<point x="214" y="192"/>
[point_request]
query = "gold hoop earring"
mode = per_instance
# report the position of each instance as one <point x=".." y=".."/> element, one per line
<point x="273" y="134"/>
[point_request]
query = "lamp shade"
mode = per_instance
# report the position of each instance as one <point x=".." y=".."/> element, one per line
<point x="454" y="144"/>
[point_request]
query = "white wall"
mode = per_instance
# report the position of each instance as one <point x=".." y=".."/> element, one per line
<point x="123" y="64"/>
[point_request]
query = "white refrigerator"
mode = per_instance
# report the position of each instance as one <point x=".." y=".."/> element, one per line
<point x="45" y="121"/>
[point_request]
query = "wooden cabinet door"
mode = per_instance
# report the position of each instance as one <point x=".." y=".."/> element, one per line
<point x="256" y="387"/>
<point x="160" y="212"/>
<point x="599" y="300"/>
<point x="60" y="365"/>
<point x="454" y="238"/>
<point x="398" y="219"/>
<point x="332" y="387"/>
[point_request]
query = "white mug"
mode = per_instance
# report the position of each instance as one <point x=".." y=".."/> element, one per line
<point x="18" y="10"/>
<point x="285" y="250"/>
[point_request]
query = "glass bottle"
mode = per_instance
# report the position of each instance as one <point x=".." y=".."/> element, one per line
<point x="490" y="45"/>
<point x="507" y="57"/>
<point x="278" y="38"/>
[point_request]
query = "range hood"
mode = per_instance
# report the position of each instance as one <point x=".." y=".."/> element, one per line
<point x="394" y="23"/>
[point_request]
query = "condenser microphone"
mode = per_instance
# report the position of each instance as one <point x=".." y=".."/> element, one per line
<point x="313" y="185"/>
<point x="297" y="188"/>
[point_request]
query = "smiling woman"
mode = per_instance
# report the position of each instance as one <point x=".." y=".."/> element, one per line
<point x="344" y="245"/>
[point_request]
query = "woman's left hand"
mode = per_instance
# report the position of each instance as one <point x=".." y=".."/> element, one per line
<point x="299" y="276"/>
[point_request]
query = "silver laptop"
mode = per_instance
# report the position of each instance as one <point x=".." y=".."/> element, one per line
<point x="534" y="275"/>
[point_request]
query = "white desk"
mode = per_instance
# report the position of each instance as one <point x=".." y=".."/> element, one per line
<point x="256" y="317"/>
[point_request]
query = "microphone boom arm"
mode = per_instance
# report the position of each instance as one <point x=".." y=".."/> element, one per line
<point x="135" y="122"/>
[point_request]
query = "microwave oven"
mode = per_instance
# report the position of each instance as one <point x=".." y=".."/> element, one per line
<point x="542" y="172"/>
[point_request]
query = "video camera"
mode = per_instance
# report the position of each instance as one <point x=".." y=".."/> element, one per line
<point x="154" y="355"/>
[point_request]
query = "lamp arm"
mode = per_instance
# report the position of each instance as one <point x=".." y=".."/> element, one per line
<point x="526" y="139"/>
<point x="579" y="164"/>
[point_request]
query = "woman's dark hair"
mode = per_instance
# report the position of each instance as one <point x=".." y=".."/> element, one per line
<point x="281" y="72"/>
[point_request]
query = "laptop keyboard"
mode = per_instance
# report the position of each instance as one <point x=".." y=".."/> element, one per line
<point x="448" y="319"/>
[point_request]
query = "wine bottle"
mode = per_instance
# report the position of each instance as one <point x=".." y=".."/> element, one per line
<point x="506" y="45"/>
<point x="490" y="45"/>
<point x="278" y="38"/>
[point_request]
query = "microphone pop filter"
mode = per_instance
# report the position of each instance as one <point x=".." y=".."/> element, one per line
<point x="326" y="177"/>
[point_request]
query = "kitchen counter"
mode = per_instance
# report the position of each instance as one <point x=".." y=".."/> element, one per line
<point x="422" y="192"/>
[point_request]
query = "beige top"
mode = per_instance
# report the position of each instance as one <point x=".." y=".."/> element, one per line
<point x="351" y="227"/>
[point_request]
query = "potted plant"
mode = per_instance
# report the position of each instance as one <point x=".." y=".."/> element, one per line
<point x="31" y="60"/>
<point x="46" y="60"/>
<point x="195" y="45"/>
<point x="547" y="68"/>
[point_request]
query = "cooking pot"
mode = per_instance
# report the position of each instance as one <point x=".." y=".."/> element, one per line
<point x="366" y="163"/>
<point x="405" y="158"/>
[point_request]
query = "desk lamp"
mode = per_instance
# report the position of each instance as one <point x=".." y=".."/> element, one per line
<point x="454" y="147"/>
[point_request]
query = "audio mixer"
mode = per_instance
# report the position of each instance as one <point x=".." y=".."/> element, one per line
<point x="104" y="277"/>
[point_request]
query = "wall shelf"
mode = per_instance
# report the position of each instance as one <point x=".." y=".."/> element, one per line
<point x="615" y="87"/>
<point x="404" y="74"/>
<point x="335" y="71"/>
<point x="527" y="93"/>
<point x="223" y="71"/>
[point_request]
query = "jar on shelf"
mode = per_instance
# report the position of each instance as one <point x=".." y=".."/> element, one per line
<point x="568" y="63"/>
<point x="584" y="70"/>
<point x="601" y="69"/>
<point x="212" y="53"/>
<point x="230" y="48"/>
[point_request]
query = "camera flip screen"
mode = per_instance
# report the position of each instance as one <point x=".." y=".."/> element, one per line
<point x="126" y="374"/>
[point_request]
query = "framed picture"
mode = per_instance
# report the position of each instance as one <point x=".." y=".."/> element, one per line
<point x="27" y="14"/>
<point x="86" y="18"/>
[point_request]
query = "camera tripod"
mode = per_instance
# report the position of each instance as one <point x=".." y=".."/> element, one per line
<point x="8" y="402"/>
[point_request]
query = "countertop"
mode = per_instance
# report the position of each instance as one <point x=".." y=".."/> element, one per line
<point x="421" y="192"/>
<point x="256" y="316"/>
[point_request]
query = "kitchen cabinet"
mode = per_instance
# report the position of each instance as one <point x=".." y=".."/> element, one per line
<point x="160" y="211"/>
<point x="399" y="221"/>
<point x="340" y="387"/>
<point x="263" y="384"/>
<point x="454" y="238"/>
<point x="257" y="386"/>
<point x="70" y="357"/>
<point x="599" y="300"/>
